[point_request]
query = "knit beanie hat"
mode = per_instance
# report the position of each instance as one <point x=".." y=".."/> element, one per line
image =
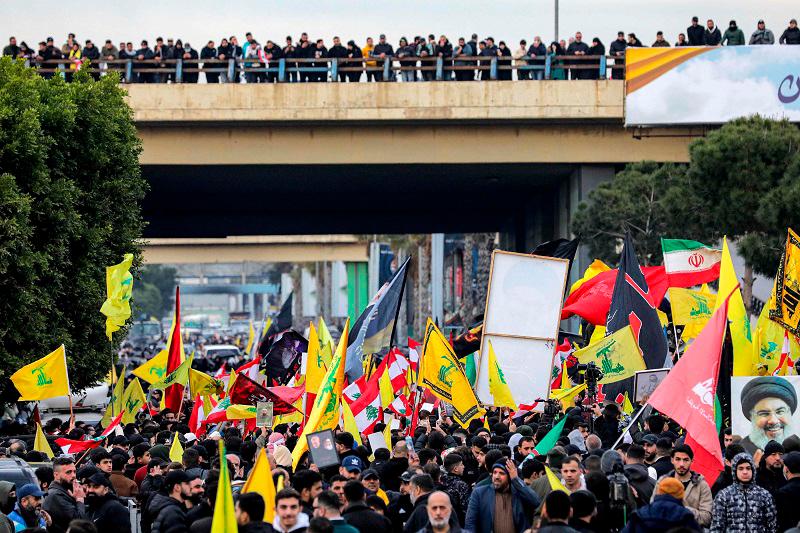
<point x="671" y="486"/>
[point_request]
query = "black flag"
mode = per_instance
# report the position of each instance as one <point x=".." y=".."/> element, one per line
<point x="283" y="320"/>
<point x="561" y="248"/>
<point x="631" y="304"/>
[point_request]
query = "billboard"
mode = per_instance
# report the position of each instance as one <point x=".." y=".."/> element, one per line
<point x="711" y="85"/>
<point x="764" y="408"/>
<point x="523" y="311"/>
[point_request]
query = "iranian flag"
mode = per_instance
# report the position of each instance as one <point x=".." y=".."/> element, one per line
<point x="688" y="263"/>
<point x="367" y="407"/>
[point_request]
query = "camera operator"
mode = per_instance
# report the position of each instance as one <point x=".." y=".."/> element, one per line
<point x="606" y="424"/>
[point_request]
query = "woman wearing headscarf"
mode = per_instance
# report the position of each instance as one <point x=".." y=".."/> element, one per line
<point x="597" y="49"/>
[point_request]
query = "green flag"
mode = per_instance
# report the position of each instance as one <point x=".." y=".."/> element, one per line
<point x="179" y="376"/>
<point x="549" y="440"/>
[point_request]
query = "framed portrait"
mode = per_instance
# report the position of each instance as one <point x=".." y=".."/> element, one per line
<point x="646" y="381"/>
<point x="322" y="448"/>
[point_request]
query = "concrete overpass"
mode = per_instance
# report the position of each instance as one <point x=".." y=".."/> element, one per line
<point x="278" y="159"/>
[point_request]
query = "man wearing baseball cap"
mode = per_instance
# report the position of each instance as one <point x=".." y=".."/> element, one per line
<point x="351" y="467"/>
<point x="28" y="512"/>
<point x="103" y="507"/>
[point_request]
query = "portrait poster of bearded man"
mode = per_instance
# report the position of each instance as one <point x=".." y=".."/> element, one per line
<point x="764" y="409"/>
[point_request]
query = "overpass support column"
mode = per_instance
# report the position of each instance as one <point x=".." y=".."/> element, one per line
<point x="583" y="180"/>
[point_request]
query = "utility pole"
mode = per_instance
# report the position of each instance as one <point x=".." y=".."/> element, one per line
<point x="556" y="20"/>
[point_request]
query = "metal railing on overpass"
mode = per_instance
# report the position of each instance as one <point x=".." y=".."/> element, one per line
<point x="341" y="69"/>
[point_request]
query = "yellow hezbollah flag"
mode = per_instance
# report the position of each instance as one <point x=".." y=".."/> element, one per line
<point x="325" y="413"/>
<point x="386" y="389"/>
<point x="627" y="406"/>
<point x="176" y="450"/>
<point x="260" y="481"/>
<point x="153" y="370"/>
<point x="349" y="423"/>
<point x="498" y="387"/>
<point x="738" y="320"/>
<point x="567" y="396"/>
<point x="115" y="404"/>
<point x="441" y="373"/>
<point x="617" y="355"/>
<point x="768" y="341"/>
<point x="40" y="443"/>
<point x="325" y="340"/>
<point x="555" y="483"/>
<point x="224" y="516"/>
<point x="317" y="363"/>
<point x="691" y="309"/>
<point x="785" y="309"/>
<point x="44" y="378"/>
<point x="592" y="270"/>
<point x="201" y="384"/>
<point x="132" y="401"/>
<point x="251" y="338"/>
<point x="179" y="376"/>
<point x="119" y="285"/>
<point x="240" y="412"/>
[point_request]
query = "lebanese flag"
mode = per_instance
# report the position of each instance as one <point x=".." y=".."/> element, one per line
<point x="367" y="407"/>
<point x="398" y="367"/>
<point x="197" y="417"/>
<point x="413" y="354"/>
<point x="71" y="447"/>
<point x="219" y="374"/>
<point x="174" y="393"/>
<point x="111" y="427"/>
<point x="689" y="263"/>
<point x="687" y="394"/>
<point x="250" y="369"/>
<point x="592" y="300"/>
<point x="786" y="360"/>
<point x="355" y="390"/>
<point x="400" y="406"/>
<point x="218" y="413"/>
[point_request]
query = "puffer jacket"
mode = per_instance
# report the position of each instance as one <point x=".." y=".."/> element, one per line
<point x="744" y="507"/>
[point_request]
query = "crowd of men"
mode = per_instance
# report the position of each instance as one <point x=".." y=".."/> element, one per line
<point x="415" y="57"/>
<point x="481" y="479"/>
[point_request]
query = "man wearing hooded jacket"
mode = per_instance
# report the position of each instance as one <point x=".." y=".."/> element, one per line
<point x="506" y="504"/>
<point x="744" y="506"/>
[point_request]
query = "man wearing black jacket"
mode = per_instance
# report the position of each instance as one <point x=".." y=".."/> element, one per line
<point x="790" y="35"/>
<point x="580" y="48"/>
<point x="209" y="52"/>
<point x="273" y="55"/>
<point x="169" y="510"/>
<point x="617" y="49"/>
<point x="381" y="51"/>
<point x="339" y="52"/>
<point x="190" y="54"/>
<point x="358" y="514"/>
<point x="105" y="509"/>
<point x="712" y="35"/>
<point x="144" y="53"/>
<point x="786" y="497"/>
<point x="695" y="33"/>
<point x="354" y="52"/>
<point x="65" y="497"/>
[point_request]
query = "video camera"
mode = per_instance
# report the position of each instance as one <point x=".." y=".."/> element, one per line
<point x="591" y="375"/>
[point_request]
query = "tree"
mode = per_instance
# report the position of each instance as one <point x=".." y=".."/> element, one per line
<point x="647" y="199"/>
<point x="163" y="279"/>
<point x="739" y="181"/>
<point x="70" y="188"/>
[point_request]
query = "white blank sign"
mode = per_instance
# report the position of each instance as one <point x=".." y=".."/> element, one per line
<point x="523" y="311"/>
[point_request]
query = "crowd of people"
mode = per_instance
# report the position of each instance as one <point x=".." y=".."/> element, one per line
<point x="416" y="57"/>
<point x="484" y="478"/>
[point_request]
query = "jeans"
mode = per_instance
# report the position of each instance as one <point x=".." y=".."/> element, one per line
<point x="408" y="75"/>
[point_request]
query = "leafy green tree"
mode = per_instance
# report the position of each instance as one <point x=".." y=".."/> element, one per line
<point x="641" y="199"/>
<point x="739" y="182"/>
<point x="163" y="279"/>
<point x="70" y="188"/>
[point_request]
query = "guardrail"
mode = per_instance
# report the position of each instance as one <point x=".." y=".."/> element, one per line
<point x="341" y="69"/>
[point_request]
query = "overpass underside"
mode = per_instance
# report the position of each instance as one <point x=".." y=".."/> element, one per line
<point x="290" y="159"/>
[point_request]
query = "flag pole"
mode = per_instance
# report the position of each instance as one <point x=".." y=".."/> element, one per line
<point x="71" y="412"/>
<point x="630" y="425"/>
<point x="677" y="341"/>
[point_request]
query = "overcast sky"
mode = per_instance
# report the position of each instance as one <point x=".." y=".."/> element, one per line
<point x="200" y="20"/>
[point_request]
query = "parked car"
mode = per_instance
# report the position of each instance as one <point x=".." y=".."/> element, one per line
<point x="16" y="471"/>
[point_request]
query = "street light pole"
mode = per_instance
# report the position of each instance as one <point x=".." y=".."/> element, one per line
<point x="556" y="19"/>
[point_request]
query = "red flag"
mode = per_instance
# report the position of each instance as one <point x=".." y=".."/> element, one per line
<point x="687" y="394"/>
<point x="111" y="427"/>
<point x="245" y="391"/>
<point x="174" y="393"/>
<point x="72" y="447"/>
<point x="197" y="416"/>
<point x="593" y="299"/>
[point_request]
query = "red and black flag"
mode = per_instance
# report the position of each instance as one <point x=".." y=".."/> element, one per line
<point x="632" y="303"/>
